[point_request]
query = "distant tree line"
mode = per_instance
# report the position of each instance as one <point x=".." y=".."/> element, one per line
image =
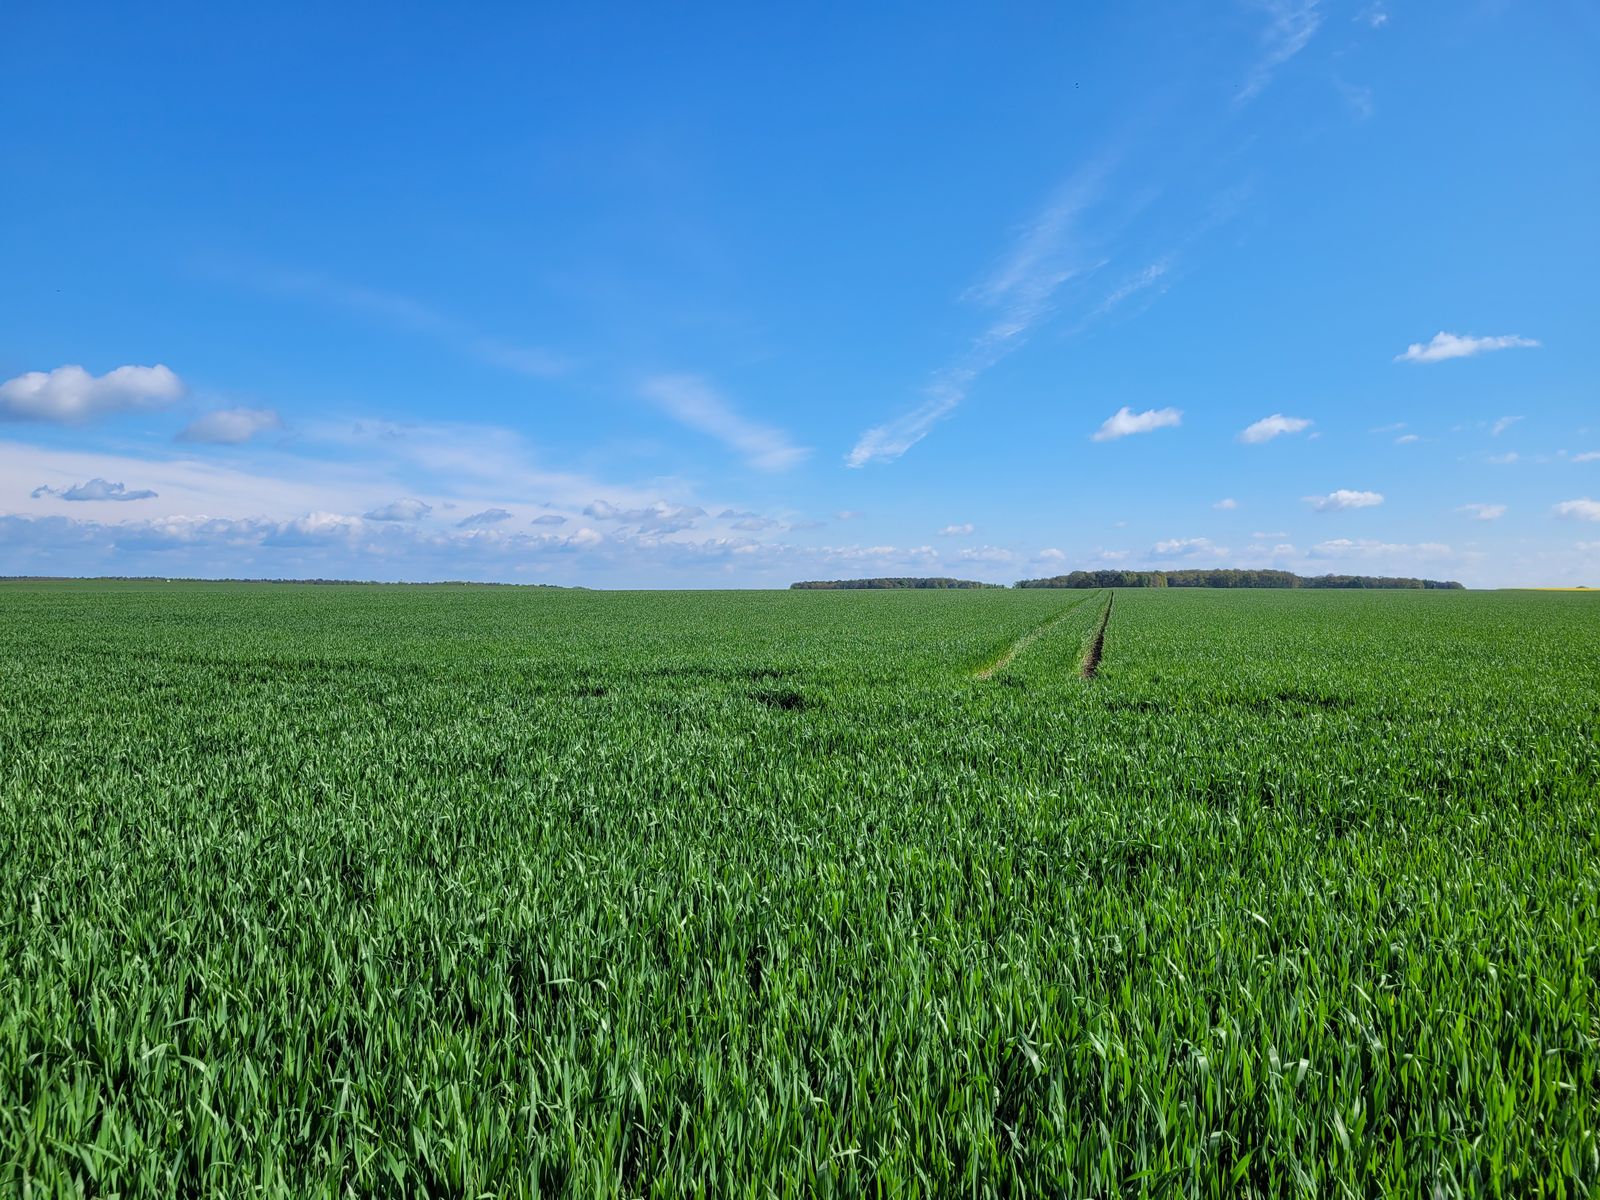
<point x="836" y="585"/>
<point x="1221" y="578"/>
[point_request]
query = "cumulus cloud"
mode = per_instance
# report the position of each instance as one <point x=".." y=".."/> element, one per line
<point x="71" y="395"/>
<point x="1344" y="498"/>
<point x="748" y="522"/>
<point x="405" y="509"/>
<point x="1125" y="421"/>
<point x="1483" y="512"/>
<point x="694" y="403"/>
<point x="1268" y="428"/>
<point x="1583" y="509"/>
<point x="484" y="519"/>
<point x="94" y="489"/>
<point x="1453" y="345"/>
<point x="659" y="517"/>
<point x="230" y="426"/>
<point x="956" y="530"/>
<point x="1050" y="554"/>
<point x="1226" y="504"/>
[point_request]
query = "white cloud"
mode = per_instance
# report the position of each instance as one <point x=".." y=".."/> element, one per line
<point x="1125" y="421"/>
<point x="956" y="530"/>
<point x="1348" y="548"/>
<point x="586" y="537"/>
<point x="1579" y="510"/>
<point x="1587" y="456"/>
<point x="1344" y="498"/>
<point x="1405" y="439"/>
<point x="1195" y="547"/>
<point x="695" y="404"/>
<point x="1268" y="428"/>
<point x="1291" y="24"/>
<point x="849" y="514"/>
<point x="1504" y="460"/>
<point x="71" y="395"/>
<point x="549" y="519"/>
<point x="1452" y="345"/>
<point x="1228" y="504"/>
<point x="1050" y="554"/>
<point x="94" y="489"/>
<point x="406" y="509"/>
<point x="482" y="520"/>
<point x="1503" y="424"/>
<point x="1483" y="512"/>
<point x="987" y="554"/>
<point x="230" y="426"/>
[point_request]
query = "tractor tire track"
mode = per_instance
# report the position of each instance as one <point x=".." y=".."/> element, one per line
<point x="1027" y="639"/>
<point x="1097" y="644"/>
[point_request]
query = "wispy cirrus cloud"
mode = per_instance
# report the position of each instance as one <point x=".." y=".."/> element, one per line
<point x="1503" y="424"/>
<point x="1291" y="24"/>
<point x="1019" y="292"/>
<point x="94" y="489"/>
<point x="1125" y="421"/>
<point x="412" y="316"/>
<point x="1356" y="548"/>
<point x="1454" y="345"/>
<point x="1344" y="498"/>
<point x="1268" y="428"/>
<point x="693" y="402"/>
<point x="1151" y="276"/>
<point x="71" y="395"/>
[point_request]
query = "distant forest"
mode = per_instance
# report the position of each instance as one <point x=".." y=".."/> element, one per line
<point x="839" y="585"/>
<point x="1230" y="579"/>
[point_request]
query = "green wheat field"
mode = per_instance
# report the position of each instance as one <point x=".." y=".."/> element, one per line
<point x="464" y="891"/>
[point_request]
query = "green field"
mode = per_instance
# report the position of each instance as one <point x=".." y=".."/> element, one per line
<point x="459" y="891"/>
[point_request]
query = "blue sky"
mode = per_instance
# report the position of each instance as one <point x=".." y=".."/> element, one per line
<point x="731" y="295"/>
